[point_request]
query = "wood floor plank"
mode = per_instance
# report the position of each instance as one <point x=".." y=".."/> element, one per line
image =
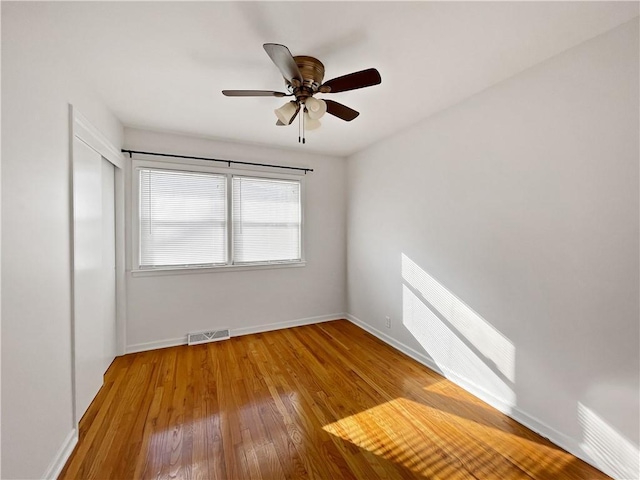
<point x="326" y="401"/>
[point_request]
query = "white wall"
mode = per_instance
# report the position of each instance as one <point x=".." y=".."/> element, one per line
<point x="162" y="309"/>
<point x="522" y="202"/>
<point x="37" y="87"/>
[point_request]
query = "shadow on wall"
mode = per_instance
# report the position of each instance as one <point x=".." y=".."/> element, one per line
<point x="458" y="340"/>
<point x="464" y="345"/>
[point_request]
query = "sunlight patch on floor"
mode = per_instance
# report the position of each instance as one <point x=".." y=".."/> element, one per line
<point x="438" y="444"/>
<point x="376" y="431"/>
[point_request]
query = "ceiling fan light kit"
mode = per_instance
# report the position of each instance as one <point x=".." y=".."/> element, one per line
<point x="316" y="108"/>
<point x="303" y="77"/>
<point x="311" y="123"/>
<point x="287" y="112"/>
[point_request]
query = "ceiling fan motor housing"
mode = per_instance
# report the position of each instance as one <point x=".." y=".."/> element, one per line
<point x="312" y="71"/>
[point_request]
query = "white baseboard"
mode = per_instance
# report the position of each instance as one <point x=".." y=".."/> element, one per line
<point x="62" y="456"/>
<point x="169" y="342"/>
<point x="565" y="442"/>
<point x="236" y="332"/>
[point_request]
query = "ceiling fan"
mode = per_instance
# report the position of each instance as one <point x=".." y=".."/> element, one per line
<point x="303" y="76"/>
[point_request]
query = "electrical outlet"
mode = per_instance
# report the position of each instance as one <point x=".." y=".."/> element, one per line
<point x="387" y="321"/>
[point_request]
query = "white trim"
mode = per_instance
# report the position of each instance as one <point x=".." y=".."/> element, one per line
<point x="62" y="455"/>
<point x="90" y="135"/>
<point x="565" y="442"/>
<point x="237" y="332"/>
<point x="155" y="345"/>
<point x="151" y="272"/>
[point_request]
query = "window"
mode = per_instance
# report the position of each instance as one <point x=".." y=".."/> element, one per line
<point x="266" y="220"/>
<point x="194" y="219"/>
<point x="183" y="219"/>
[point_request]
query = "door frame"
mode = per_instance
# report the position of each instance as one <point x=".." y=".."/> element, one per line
<point x="81" y="129"/>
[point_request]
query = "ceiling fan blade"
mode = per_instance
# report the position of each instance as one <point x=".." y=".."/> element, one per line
<point x="283" y="59"/>
<point x="341" y="111"/>
<point x="353" y="81"/>
<point x="253" y="93"/>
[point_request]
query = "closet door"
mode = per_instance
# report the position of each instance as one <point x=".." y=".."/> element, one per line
<point x="94" y="272"/>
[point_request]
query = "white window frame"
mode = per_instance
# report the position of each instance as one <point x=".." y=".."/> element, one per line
<point x="202" y="167"/>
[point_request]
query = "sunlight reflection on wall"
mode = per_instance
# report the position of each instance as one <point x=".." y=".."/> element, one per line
<point x="465" y="344"/>
<point x="610" y="451"/>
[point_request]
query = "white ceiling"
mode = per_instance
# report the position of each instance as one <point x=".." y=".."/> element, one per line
<point x="162" y="65"/>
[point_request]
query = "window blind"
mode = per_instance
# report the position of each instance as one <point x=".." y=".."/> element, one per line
<point x="183" y="218"/>
<point x="266" y="220"/>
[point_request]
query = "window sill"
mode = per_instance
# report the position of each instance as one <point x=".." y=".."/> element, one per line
<point x="222" y="268"/>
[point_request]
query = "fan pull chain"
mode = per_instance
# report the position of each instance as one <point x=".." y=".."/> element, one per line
<point x="303" y="132"/>
<point x="299" y="129"/>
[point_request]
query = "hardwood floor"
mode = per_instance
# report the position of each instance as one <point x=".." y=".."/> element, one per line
<point x="324" y="401"/>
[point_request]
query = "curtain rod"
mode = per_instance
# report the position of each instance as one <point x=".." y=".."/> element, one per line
<point x="228" y="162"/>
